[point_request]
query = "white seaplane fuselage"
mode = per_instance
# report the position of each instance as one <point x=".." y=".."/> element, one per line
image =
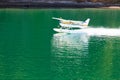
<point x="72" y="26"/>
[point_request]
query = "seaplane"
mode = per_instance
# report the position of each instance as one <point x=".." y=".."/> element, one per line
<point x="71" y="25"/>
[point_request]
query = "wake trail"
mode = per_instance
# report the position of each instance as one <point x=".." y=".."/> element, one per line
<point x="102" y="31"/>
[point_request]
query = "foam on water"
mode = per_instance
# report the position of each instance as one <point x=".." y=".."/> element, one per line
<point x="102" y="31"/>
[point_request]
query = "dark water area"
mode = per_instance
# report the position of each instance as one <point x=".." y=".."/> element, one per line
<point x="31" y="50"/>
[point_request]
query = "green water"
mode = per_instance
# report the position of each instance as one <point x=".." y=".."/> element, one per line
<point x="31" y="50"/>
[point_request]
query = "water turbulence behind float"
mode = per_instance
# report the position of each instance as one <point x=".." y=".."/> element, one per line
<point x="101" y="31"/>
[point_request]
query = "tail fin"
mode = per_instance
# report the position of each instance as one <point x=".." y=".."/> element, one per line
<point x="86" y="22"/>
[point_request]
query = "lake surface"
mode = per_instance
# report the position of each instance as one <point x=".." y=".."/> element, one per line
<point x="31" y="50"/>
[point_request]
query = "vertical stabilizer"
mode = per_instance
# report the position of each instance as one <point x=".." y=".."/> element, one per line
<point x="86" y="22"/>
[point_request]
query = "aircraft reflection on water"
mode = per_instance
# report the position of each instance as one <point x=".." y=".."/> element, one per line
<point x="69" y="54"/>
<point x="70" y="43"/>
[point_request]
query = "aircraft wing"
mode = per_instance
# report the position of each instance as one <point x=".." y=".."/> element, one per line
<point x="64" y="20"/>
<point x="58" y="19"/>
